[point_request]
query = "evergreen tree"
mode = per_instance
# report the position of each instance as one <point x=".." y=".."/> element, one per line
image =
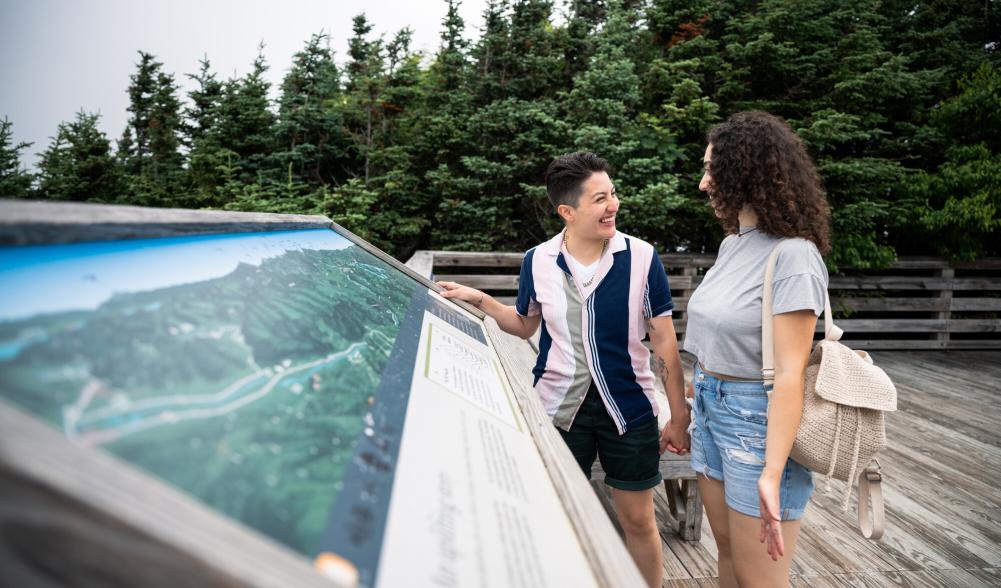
<point x="492" y="197"/>
<point x="151" y="153"/>
<point x="15" y="181"/>
<point x="364" y="86"/>
<point x="310" y="145"/>
<point x="536" y="66"/>
<point x="200" y="115"/>
<point x="585" y="20"/>
<point x="244" y="119"/>
<point x="605" y="113"/>
<point x="858" y="104"/>
<point x="78" y="164"/>
<point x="449" y="67"/>
<point x="396" y="203"/>
<point x="230" y="154"/>
<point x="492" y="53"/>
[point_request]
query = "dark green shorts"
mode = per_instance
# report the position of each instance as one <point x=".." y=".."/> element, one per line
<point x="630" y="461"/>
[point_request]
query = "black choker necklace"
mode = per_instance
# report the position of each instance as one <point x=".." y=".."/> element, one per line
<point x="749" y="230"/>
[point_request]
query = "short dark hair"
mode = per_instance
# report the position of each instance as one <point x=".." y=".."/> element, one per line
<point x="568" y="172"/>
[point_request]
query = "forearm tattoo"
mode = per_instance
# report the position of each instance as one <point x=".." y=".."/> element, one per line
<point x="661" y="366"/>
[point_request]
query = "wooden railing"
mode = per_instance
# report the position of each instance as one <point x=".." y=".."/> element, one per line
<point x="917" y="303"/>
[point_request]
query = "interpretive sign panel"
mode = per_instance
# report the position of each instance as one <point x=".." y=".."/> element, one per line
<point x="300" y="385"/>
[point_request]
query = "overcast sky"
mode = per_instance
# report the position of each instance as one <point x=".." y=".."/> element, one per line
<point x="60" y="56"/>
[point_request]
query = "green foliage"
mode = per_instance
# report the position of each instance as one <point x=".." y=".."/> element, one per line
<point x="15" y="182"/>
<point x="898" y="102"/>
<point x="78" y="164"/>
<point x="309" y="138"/>
<point x="958" y="205"/>
<point x="150" y="148"/>
<point x="962" y="205"/>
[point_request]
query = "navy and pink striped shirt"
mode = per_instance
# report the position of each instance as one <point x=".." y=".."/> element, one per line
<point x="595" y="332"/>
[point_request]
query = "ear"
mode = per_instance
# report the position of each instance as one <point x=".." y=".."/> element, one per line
<point x="566" y="212"/>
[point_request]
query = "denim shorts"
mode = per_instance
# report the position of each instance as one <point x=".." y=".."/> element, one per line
<point x="729" y="421"/>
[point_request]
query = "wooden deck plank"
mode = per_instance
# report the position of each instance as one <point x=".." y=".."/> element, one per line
<point x="956" y="578"/>
<point x="965" y="496"/>
<point x="816" y="582"/>
<point x="978" y="513"/>
<point x="989" y="576"/>
<point x="829" y="532"/>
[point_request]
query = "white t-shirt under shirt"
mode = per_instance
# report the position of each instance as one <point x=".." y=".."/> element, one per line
<point x="724" y="312"/>
<point x="584" y="273"/>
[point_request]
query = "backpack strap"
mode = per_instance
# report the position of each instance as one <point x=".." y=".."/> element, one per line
<point x="831" y="331"/>
<point x="869" y="484"/>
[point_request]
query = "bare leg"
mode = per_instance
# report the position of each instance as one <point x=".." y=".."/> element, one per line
<point x="751" y="561"/>
<point x="636" y="516"/>
<point x="718" y="514"/>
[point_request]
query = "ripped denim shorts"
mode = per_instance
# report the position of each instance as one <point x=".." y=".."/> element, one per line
<point x="729" y="421"/>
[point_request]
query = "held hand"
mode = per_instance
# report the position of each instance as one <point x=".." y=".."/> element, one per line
<point x="771" y="522"/>
<point x="464" y="293"/>
<point x="674" y="437"/>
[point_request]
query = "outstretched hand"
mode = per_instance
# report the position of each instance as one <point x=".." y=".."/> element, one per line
<point x="460" y="292"/>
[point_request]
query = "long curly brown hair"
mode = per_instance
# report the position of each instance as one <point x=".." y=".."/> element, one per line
<point x="757" y="160"/>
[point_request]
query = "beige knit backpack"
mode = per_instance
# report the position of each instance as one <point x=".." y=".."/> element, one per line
<point x="842" y="427"/>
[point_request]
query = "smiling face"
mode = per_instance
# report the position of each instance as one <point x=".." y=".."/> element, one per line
<point x="706" y="184"/>
<point x="594" y="215"/>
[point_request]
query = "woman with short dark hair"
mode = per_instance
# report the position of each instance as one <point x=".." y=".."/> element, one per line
<point x="763" y="186"/>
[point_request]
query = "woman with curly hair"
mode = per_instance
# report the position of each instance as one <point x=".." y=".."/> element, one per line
<point x="763" y="186"/>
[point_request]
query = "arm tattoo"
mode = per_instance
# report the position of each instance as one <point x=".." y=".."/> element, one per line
<point x="661" y="367"/>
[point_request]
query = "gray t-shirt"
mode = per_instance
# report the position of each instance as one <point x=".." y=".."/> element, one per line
<point x="724" y="312"/>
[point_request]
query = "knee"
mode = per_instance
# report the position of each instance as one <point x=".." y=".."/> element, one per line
<point x="639" y="522"/>
<point x="723" y="544"/>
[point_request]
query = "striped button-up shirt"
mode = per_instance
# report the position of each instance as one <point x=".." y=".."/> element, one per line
<point x="595" y="332"/>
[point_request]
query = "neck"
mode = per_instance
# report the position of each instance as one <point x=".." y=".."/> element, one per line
<point x="586" y="251"/>
<point x="747" y="218"/>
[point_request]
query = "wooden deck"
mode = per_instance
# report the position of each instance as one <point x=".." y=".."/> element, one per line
<point x="942" y="484"/>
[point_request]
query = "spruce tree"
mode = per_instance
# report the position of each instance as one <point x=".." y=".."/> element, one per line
<point x="15" y="181"/>
<point x="958" y="204"/>
<point x="492" y="197"/>
<point x="395" y="203"/>
<point x="492" y="53"/>
<point x="151" y="153"/>
<point x="310" y="145"/>
<point x="364" y="86"/>
<point x="78" y="164"/>
<point x="205" y="98"/>
<point x="230" y="154"/>
<point x="244" y="119"/>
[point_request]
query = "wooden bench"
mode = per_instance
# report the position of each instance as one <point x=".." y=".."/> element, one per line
<point x="683" y="495"/>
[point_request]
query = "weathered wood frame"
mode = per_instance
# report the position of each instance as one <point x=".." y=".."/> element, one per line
<point x="110" y="506"/>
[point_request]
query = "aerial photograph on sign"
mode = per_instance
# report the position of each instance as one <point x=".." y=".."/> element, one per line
<point x="241" y="368"/>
